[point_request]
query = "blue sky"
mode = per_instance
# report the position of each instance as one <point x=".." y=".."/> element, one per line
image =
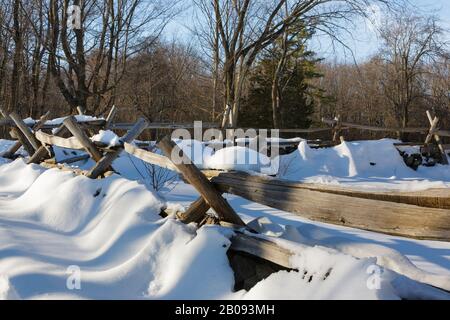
<point x="362" y="42"/>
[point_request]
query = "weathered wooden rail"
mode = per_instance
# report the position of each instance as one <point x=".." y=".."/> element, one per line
<point x="424" y="215"/>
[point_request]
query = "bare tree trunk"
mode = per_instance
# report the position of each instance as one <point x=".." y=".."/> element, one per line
<point x="229" y="92"/>
<point x="215" y="72"/>
<point x="276" y="112"/>
<point x="17" y="61"/>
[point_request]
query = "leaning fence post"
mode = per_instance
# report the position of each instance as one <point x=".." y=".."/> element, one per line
<point x="196" y="211"/>
<point x="110" y="118"/>
<point x="26" y="131"/>
<point x="199" y="181"/>
<point x="17" y="134"/>
<point x="42" y="152"/>
<point x="10" y="153"/>
<point x="105" y="162"/>
<point x="72" y="125"/>
<point x="337" y="129"/>
<point x="80" y="111"/>
<point x="432" y="133"/>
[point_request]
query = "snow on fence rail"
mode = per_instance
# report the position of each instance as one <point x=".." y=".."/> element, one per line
<point x="95" y="123"/>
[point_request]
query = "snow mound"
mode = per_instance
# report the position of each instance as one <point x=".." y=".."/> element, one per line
<point x="366" y="164"/>
<point x="111" y="231"/>
<point x="56" y="228"/>
<point x="107" y="137"/>
<point x="195" y="150"/>
<point x="197" y="267"/>
<point x="377" y="158"/>
<point x="239" y="159"/>
<point x="326" y="274"/>
<point x="384" y="256"/>
<point x="11" y="184"/>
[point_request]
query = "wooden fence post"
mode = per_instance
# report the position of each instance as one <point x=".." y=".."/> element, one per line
<point x="196" y="211"/>
<point x="17" y="134"/>
<point x="10" y="153"/>
<point x="433" y="133"/>
<point x="42" y="153"/>
<point x="105" y="162"/>
<point x="89" y="146"/>
<point x="110" y="118"/>
<point x="80" y="111"/>
<point x="199" y="181"/>
<point x="226" y="117"/>
<point x="26" y="131"/>
<point x="337" y="128"/>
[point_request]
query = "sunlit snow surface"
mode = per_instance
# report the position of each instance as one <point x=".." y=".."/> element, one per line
<point x="51" y="221"/>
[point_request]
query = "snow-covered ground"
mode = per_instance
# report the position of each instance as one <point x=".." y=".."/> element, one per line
<point x="55" y="226"/>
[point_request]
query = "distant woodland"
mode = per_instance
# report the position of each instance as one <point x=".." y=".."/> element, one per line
<point x="248" y="63"/>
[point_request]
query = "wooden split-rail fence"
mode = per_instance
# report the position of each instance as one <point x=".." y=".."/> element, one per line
<point x="423" y="215"/>
<point x="433" y="133"/>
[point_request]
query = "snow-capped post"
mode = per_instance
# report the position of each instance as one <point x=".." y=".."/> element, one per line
<point x="26" y="131"/>
<point x="433" y="133"/>
<point x="15" y="147"/>
<point x="105" y="162"/>
<point x="77" y="132"/>
<point x="200" y="182"/>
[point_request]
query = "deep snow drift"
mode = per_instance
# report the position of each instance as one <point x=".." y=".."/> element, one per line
<point x="373" y="165"/>
<point x="52" y="223"/>
<point x="364" y="164"/>
<point x="361" y="164"/>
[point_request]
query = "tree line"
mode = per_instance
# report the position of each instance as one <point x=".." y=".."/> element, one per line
<point x="248" y="62"/>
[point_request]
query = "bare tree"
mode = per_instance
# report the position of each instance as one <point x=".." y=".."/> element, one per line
<point x="87" y="63"/>
<point x="410" y="42"/>
<point x="17" y="60"/>
<point x="166" y="82"/>
<point x="246" y="27"/>
<point x="5" y="41"/>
